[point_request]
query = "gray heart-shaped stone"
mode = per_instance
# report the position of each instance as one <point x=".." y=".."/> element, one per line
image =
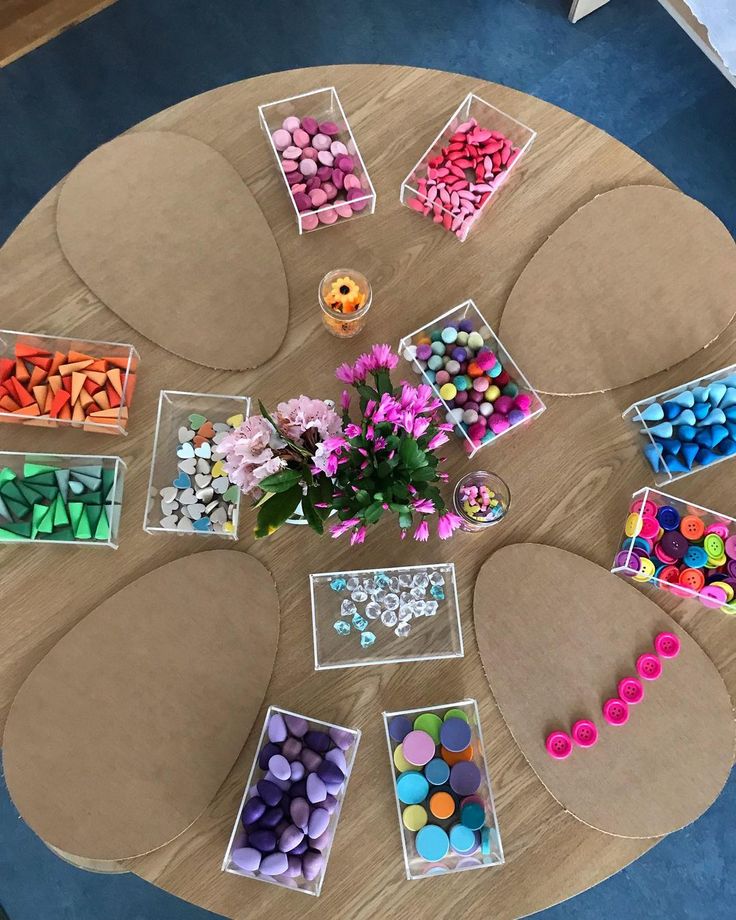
<point x="195" y="511"/>
<point x="187" y="497"/>
<point x="185" y="524"/>
<point x="219" y="516"/>
<point x="188" y="466"/>
<point x="168" y="508"/>
<point x="203" y="466"/>
<point x="220" y="484"/>
<point x="169" y="522"/>
<point x="205" y="494"/>
<point x="186" y="434"/>
<point x="202" y="479"/>
<point x="169" y="493"/>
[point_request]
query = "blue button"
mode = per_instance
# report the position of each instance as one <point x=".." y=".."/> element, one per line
<point x="668" y="518"/>
<point x="437" y="771"/>
<point x="432" y="843"/>
<point x="462" y="839"/>
<point x="695" y="558"/>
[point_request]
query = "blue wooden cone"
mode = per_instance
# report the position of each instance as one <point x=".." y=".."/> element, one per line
<point x="716" y="392"/>
<point x="730" y="413"/>
<point x="674" y="464"/>
<point x="653" y="455"/>
<point x="689" y="453"/>
<point x="727" y="447"/>
<point x="730" y="381"/>
<point x="671" y="445"/>
<point x="686" y="432"/>
<point x="671" y="410"/>
<point x="663" y="430"/>
<point x="729" y="398"/>
<point x="700" y="410"/>
<point x="718" y="433"/>
<point x="684" y="399"/>
<point x="700" y="394"/>
<point x="704" y="438"/>
<point x="686" y="417"/>
<point x="653" y="413"/>
<point x="706" y="457"/>
<point x="715" y="417"/>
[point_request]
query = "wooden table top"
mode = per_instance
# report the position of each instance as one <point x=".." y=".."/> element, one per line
<point x="570" y="471"/>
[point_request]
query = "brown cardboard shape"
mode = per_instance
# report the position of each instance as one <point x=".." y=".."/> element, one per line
<point x="554" y="644"/>
<point x="633" y="283"/>
<point x="165" y="232"/>
<point x="122" y="735"/>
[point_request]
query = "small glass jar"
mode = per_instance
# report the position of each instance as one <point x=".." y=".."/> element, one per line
<point x="345" y="298"/>
<point x="481" y="499"/>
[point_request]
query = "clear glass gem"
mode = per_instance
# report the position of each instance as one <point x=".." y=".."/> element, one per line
<point x="406" y="612"/>
<point x="394" y="583"/>
<point x="367" y="639"/>
<point x="389" y="618"/>
<point x="381" y="580"/>
<point x="430" y="608"/>
<point x="352" y="583"/>
<point x="391" y="601"/>
<point x="437" y="593"/>
<point x="418" y="592"/>
<point x="348" y="608"/>
<point x="419" y="608"/>
<point x="403" y="629"/>
<point x="420" y="580"/>
<point x="372" y="610"/>
<point x="359" y="596"/>
<point x="437" y="578"/>
<point x="343" y="627"/>
<point x="405" y="580"/>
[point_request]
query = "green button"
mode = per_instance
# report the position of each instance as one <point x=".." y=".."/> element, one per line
<point x="430" y="723"/>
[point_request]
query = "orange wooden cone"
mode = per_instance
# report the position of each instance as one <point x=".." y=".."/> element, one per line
<point x="60" y="402"/>
<point x="76" y="356"/>
<point x="21" y="371"/>
<point x="66" y="413"/>
<point x="43" y="363"/>
<point x="99" y="377"/>
<point x="29" y="351"/>
<point x="55" y="383"/>
<point x="28" y="410"/>
<point x="40" y="394"/>
<point x="77" y="384"/>
<point x="7" y="367"/>
<point x="8" y="404"/>
<point x="72" y="366"/>
<point x="38" y="375"/>
<point x="101" y="399"/>
<point x="58" y="359"/>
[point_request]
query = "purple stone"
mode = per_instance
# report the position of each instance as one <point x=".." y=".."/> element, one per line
<point x="459" y="354"/>
<point x="312" y="183"/>
<point x="291" y="748"/>
<point x="298" y="770"/>
<point x="301" y="847"/>
<point x="246" y="858"/>
<point x="338" y="178"/>
<point x="297" y="726"/>
<point x="316" y="789"/>
<point x="311" y="865"/>
<point x="455" y="734"/>
<point x="330" y="802"/>
<point x="399" y="727"/>
<point x="317" y="741"/>
<point x="310" y="759"/>
<point x="276" y="728"/>
<point x="467" y="779"/>
<point x="283" y="784"/>
<point x="342" y="738"/>
<point x="280" y="767"/>
<point x="271" y="817"/>
<point x="294" y="178"/>
<point x="302" y="201"/>
<point x="323" y="174"/>
<point x="320" y="843"/>
<point x="280" y="828"/>
<point x="269" y="792"/>
<point x="345" y="163"/>
<point x="295" y="866"/>
<point x="329" y="772"/>
<point x="329" y="128"/>
<point x="299" y="811"/>
<point x="465" y="325"/>
<point x="318" y="822"/>
<point x="267" y="752"/>
<point x="263" y="840"/>
<point x="337" y="756"/>
<point x="253" y="809"/>
<point x="274" y="864"/>
<point x="310" y="125"/>
<point x="291" y="837"/>
<point x="299" y="789"/>
<point x="333" y="788"/>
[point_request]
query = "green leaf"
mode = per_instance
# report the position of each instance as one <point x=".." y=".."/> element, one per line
<point x="424" y="474"/>
<point x="281" y="481"/>
<point x="363" y="498"/>
<point x="276" y="510"/>
<point x="383" y="382"/>
<point x="367" y="392"/>
<point x="311" y="514"/>
<point x="373" y="513"/>
<point x="404" y="519"/>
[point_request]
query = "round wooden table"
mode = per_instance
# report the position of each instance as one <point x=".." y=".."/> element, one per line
<point x="571" y="472"/>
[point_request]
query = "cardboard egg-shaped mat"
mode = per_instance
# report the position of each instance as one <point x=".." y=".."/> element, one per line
<point x="162" y="228"/>
<point x="121" y="736"/>
<point x="555" y="645"/>
<point x="632" y="283"/>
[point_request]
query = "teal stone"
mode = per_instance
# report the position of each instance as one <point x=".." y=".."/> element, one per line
<point x="430" y="375"/>
<point x="367" y="639"/>
<point x="342" y="627"/>
<point x="488" y="436"/>
<point x="449" y="335"/>
<point x="435" y="363"/>
<point x="437" y="593"/>
<point x="338" y="584"/>
<point x="435" y="336"/>
<point x="462" y="382"/>
<point x="202" y="525"/>
<point x="438" y="348"/>
<point x="359" y="622"/>
<point x="511" y="389"/>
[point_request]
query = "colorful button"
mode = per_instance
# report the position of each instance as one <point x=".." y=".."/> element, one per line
<point x="473" y="815"/>
<point x="692" y="578"/>
<point x="456" y="714"/>
<point x="726" y="587"/>
<point x="633" y="525"/>
<point x="463" y="840"/>
<point x="430" y="723"/>
<point x="645" y="507"/>
<point x="649" y="527"/>
<point x="713" y="596"/>
<point x="412" y="788"/>
<point x="730" y="547"/>
<point x="418" y="748"/>
<point x="584" y="733"/>
<point x="455" y="734"/>
<point x="400" y="762"/>
<point x="437" y="771"/>
<point x="432" y="843"/>
<point x="692" y="527"/>
<point x="414" y="817"/>
<point x="442" y="805"/>
<point x="631" y="690"/>
<point x="465" y="778"/>
<point x="670" y="574"/>
<point x="719" y="528"/>
<point x="559" y="745"/>
<point x="668" y="517"/>
<point x="667" y="645"/>
<point x="398" y="728"/>
<point x="453" y="757"/>
<point x="648" y="666"/>
<point x="674" y="543"/>
<point x="695" y="558"/>
<point x="616" y="712"/>
<point x="646" y="571"/>
<point x="713" y="545"/>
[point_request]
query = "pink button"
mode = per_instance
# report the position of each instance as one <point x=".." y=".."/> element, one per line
<point x="584" y="733"/>
<point x="646" y="507"/>
<point x="649" y="527"/>
<point x="667" y="645"/>
<point x="418" y="748"/>
<point x="648" y="666"/>
<point x="730" y="546"/>
<point x="718" y="528"/>
<point x="616" y="712"/>
<point x="712" y="596"/>
<point x="631" y="690"/>
<point x="559" y="745"/>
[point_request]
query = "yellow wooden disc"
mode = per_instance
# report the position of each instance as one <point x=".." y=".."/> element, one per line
<point x="414" y="817"/>
<point x="401" y="763"/>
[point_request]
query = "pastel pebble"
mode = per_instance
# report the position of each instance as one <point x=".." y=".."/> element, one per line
<point x="281" y="138"/>
<point x="318" y="822"/>
<point x="309" y="221"/>
<point x="310" y="124"/>
<point x="342" y="738"/>
<point x="418" y="747"/>
<point x="351" y="181"/>
<point x="246" y="858"/>
<point x="277" y="728"/>
<point x="432" y="843"/>
<point x="327" y="217"/>
<point x="411" y="788"/>
<point x="280" y="767"/>
<point x="318" y="197"/>
<point x="290" y="123"/>
<point x="292" y="153"/>
<point x="300" y="138"/>
<point x="307" y="167"/>
<point x="274" y="864"/>
<point x="329" y="127"/>
<point x="321" y="142"/>
<point x="291" y="166"/>
<point x="325" y="158"/>
<point x="310" y="153"/>
<point x="316" y="789"/>
<point x="337" y="148"/>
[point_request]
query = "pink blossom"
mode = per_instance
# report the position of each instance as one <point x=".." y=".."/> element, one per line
<point x="447" y="524"/>
<point x="357" y="536"/>
<point x="422" y="532"/>
<point x="421" y="424"/>
<point x="438" y="440"/>
<point x="250" y="454"/>
<point x="297" y="416"/>
<point x="423" y="505"/>
<point x="369" y="407"/>
<point x="384" y="357"/>
<point x="337" y="530"/>
<point x="352" y="430"/>
<point x="345" y="373"/>
<point x="363" y="366"/>
<point x="345" y="400"/>
<point x="388" y="410"/>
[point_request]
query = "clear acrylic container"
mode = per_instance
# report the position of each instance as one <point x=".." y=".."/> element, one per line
<point x="489" y="851"/>
<point x="62" y="499"/>
<point x="238" y="837"/>
<point x="671" y="455"/>
<point x="322" y="105"/>
<point x="351" y="633"/>
<point x="170" y="469"/>
<point x="468" y="310"/>
<point x="691" y="554"/>
<point x="121" y="358"/>
<point x="488" y="117"/>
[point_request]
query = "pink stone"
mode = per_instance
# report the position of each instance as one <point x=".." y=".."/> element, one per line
<point x="281" y="139"/>
<point x="288" y="165"/>
<point x="292" y="153"/>
<point x="344" y="209"/>
<point x="318" y="197"/>
<point x="325" y="158"/>
<point x="337" y="148"/>
<point x="321" y="142"/>
<point x="329" y="190"/>
<point x="310" y="125"/>
<point x="309" y="221"/>
<point x="310" y="153"/>
<point x="308" y="167"/>
<point x="301" y="138"/>
<point x="354" y="194"/>
<point x="327" y="217"/>
<point x="350" y="181"/>
<point x="291" y="123"/>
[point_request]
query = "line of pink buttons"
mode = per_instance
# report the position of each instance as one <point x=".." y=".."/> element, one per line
<point x="584" y="732"/>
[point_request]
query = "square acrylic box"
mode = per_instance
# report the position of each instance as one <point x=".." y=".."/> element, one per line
<point x="188" y="491"/>
<point x="415" y="192"/>
<point x="514" y="403"/>
<point x="48" y="381"/>
<point x="688" y="427"/>
<point x="294" y="853"/>
<point x="384" y="616"/>
<point x="71" y="499"/>
<point x="679" y="547"/>
<point x="444" y="800"/>
<point x="323" y="107"/>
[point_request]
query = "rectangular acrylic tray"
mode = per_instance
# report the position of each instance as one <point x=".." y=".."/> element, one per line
<point x="101" y="397"/>
<point x="71" y="499"/>
<point x="488" y="849"/>
<point x="174" y="410"/>
<point x="238" y="838"/>
<point x="462" y="311"/>
<point x="322" y="105"/>
<point x="365" y="633"/>
<point x="487" y="116"/>
<point x="707" y="533"/>
<point x="682" y="444"/>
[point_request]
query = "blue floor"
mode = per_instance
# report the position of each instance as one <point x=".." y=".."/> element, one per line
<point x="627" y="68"/>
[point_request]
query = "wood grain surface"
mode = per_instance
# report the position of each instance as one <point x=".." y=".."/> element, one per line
<point x="571" y="472"/>
<point x="26" y="24"/>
